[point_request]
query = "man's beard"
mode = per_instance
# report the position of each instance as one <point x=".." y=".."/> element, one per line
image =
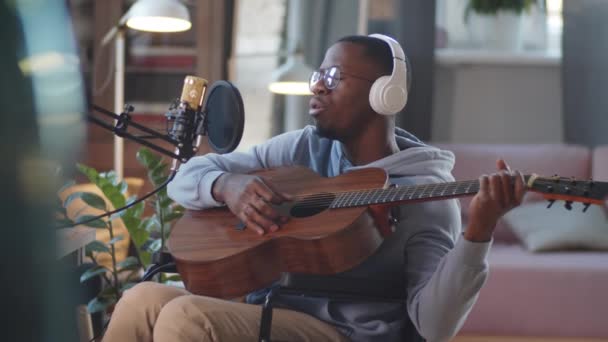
<point x="325" y="132"/>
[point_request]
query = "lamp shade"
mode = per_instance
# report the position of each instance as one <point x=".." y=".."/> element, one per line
<point x="158" y="16"/>
<point x="292" y="77"/>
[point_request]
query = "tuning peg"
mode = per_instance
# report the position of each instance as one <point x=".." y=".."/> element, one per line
<point x="551" y="201"/>
<point x="568" y="205"/>
<point x="586" y="206"/>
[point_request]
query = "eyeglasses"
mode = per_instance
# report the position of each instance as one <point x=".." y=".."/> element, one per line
<point x="331" y="77"/>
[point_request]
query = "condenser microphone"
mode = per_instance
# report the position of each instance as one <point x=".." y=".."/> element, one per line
<point x="186" y="115"/>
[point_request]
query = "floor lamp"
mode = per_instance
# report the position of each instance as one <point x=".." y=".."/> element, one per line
<point x="149" y="16"/>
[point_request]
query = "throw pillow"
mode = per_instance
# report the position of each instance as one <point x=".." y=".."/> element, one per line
<point x="542" y="229"/>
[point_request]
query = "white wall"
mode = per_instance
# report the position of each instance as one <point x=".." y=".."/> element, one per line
<point x="497" y="100"/>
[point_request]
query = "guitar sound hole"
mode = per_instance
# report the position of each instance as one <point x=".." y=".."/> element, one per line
<point x="312" y="205"/>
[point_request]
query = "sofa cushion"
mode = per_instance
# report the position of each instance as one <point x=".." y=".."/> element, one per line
<point x="599" y="169"/>
<point x="542" y="229"/>
<point x="473" y="160"/>
<point x="546" y="294"/>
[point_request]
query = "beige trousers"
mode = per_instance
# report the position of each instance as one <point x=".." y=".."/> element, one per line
<point x="155" y="312"/>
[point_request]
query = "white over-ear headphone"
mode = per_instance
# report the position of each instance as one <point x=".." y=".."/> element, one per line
<point x="388" y="94"/>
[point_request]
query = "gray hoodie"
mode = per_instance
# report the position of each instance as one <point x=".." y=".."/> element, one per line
<point x="441" y="271"/>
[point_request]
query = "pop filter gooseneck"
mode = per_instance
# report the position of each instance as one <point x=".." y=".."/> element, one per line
<point x="224" y="117"/>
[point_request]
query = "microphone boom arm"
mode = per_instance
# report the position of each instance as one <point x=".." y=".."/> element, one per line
<point x="123" y="121"/>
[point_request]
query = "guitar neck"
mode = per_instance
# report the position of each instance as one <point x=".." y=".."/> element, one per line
<point x="404" y="194"/>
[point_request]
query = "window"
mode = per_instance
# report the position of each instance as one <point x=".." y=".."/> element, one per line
<point x="257" y="40"/>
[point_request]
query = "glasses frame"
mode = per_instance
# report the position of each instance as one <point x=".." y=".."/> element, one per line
<point x="324" y="75"/>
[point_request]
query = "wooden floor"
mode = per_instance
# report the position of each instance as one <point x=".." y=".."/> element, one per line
<point x="523" y="339"/>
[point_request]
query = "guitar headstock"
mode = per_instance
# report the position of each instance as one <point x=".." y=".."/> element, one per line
<point x="569" y="189"/>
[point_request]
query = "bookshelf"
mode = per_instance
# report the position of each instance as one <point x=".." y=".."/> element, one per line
<point x="156" y="64"/>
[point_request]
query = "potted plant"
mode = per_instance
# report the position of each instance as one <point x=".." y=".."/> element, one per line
<point x="147" y="233"/>
<point x="497" y="24"/>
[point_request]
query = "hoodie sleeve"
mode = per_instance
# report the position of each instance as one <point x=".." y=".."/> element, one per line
<point x="192" y="185"/>
<point x="444" y="270"/>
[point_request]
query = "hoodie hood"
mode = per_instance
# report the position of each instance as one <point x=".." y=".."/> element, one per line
<point x="415" y="159"/>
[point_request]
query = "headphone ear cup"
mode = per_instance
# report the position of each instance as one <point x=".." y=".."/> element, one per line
<point x="376" y="95"/>
<point x="386" y="98"/>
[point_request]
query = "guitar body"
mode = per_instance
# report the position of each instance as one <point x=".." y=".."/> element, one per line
<point x="216" y="259"/>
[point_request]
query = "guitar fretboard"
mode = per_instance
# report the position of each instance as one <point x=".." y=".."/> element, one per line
<point x="405" y="193"/>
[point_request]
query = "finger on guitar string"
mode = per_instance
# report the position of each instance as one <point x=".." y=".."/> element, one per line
<point x="520" y="188"/>
<point x="244" y="216"/>
<point x="496" y="190"/>
<point x="507" y="189"/>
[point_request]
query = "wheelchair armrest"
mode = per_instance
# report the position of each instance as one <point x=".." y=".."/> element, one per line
<point x="340" y="287"/>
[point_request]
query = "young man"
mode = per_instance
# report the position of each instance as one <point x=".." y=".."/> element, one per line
<point x="440" y="268"/>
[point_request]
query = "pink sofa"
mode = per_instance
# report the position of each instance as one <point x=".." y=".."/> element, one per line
<point x="549" y="294"/>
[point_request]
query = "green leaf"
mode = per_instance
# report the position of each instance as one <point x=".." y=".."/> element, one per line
<point x="130" y="263"/>
<point x="155" y="245"/>
<point x="112" y="192"/>
<point x="165" y="201"/>
<point x="90" y="172"/>
<point x="137" y="210"/>
<point x="92" y="272"/>
<point x="176" y="277"/>
<point x="110" y="176"/>
<point x="138" y="236"/>
<point x="147" y="158"/>
<point x="146" y="257"/>
<point x="118" y="215"/>
<point x="150" y="224"/>
<point x="94" y="200"/>
<point x="173" y="216"/>
<point x="96" y="246"/>
<point x="100" y="304"/>
<point x="116" y="239"/>
<point x="99" y="223"/>
<point x="123" y="187"/>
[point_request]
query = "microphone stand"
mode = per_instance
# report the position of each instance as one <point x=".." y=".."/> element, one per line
<point x="184" y="147"/>
<point x="163" y="260"/>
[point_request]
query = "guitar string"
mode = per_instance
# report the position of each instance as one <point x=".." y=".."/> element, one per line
<point x="326" y="199"/>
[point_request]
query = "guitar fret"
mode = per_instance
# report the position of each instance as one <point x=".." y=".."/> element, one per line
<point x="469" y="187"/>
<point x="337" y="201"/>
<point x="355" y="197"/>
<point x="431" y="191"/>
<point x="366" y="197"/>
<point x="373" y="197"/>
<point x="386" y="194"/>
<point x="348" y="200"/>
<point x="424" y="188"/>
<point x="395" y="191"/>
<point x="403" y="193"/>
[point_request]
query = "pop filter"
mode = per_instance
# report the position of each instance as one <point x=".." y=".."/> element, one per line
<point x="224" y="117"/>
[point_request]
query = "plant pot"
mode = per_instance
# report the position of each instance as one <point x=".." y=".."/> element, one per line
<point x="501" y="31"/>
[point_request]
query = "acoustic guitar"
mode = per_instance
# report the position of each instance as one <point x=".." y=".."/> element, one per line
<point x="335" y="224"/>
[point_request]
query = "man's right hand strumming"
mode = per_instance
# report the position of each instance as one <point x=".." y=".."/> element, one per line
<point x="250" y="198"/>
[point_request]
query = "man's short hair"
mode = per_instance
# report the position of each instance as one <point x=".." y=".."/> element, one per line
<point x="379" y="52"/>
